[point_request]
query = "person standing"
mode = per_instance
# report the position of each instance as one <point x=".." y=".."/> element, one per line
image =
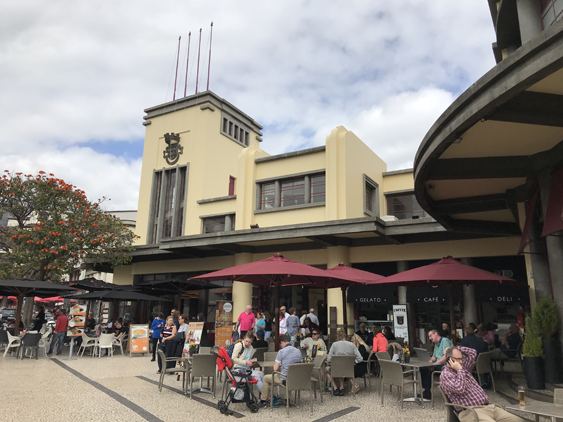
<point x="156" y="328"/>
<point x="246" y="321"/>
<point x="268" y="327"/>
<point x="261" y="323"/>
<point x="311" y="315"/>
<point x="60" y="331"/>
<point x="166" y="343"/>
<point x="39" y="319"/>
<point x="461" y="388"/>
<point x="292" y="324"/>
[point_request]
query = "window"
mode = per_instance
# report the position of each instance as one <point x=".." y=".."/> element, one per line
<point x="168" y="200"/>
<point x="291" y="191"/>
<point x="551" y="11"/>
<point x="318" y="188"/>
<point x="404" y="206"/>
<point x="371" y="197"/>
<point x="235" y="130"/>
<point x="232" y="182"/>
<point x="219" y="223"/>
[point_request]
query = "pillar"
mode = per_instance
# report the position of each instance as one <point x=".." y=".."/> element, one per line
<point x="470" y="313"/>
<point x="402" y="290"/>
<point x="242" y="292"/>
<point x="335" y="256"/>
<point x="529" y="19"/>
<point x="203" y="302"/>
<point x="554" y="245"/>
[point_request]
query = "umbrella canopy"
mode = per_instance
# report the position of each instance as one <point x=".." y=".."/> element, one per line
<point x="51" y="299"/>
<point x="446" y="272"/>
<point x="354" y="275"/>
<point x="116" y="295"/>
<point x="278" y="271"/>
<point x="93" y="284"/>
<point x="23" y="287"/>
<point x="175" y="286"/>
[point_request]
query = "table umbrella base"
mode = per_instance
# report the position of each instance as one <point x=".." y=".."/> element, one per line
<point x="70" y="351"/>
<point x="416" y="400"/>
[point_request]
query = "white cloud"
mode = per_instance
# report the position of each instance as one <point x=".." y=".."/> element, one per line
<point x="78" y="72"/>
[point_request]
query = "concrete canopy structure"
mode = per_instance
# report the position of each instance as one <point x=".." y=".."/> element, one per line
<point x="501" y="142"/>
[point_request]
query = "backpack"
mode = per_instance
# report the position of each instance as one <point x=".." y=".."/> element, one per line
<point x="232" y="348"/>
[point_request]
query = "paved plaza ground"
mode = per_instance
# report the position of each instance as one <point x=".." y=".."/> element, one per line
<point x="121" y="388"/>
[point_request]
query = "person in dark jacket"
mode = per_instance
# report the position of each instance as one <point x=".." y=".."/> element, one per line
<point x="474" y="342"/>
<point x="204" y="342"/>
<point x="39" y="319"/>
<point x="259" y="341"/>
<point x="388" y="334"/>
<point x="156" y="328"/>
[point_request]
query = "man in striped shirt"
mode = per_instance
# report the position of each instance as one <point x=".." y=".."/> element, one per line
<point x="461" y="388"/>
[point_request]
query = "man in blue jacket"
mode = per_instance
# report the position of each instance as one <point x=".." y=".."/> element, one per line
<point x="156" y="328"/>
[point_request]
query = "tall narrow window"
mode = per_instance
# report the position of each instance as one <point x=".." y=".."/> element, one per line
<point x="225" y="125"/>
<point x="268" y="197"/>
<point x="371" y="201"/>
<point x="293" y="192"/>
<point x="168" y="204"/>
<point x="232" y="181"/>
<point x="318" y="188"/>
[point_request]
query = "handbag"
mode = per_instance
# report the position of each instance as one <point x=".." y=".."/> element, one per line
<point x="180" y="337"/>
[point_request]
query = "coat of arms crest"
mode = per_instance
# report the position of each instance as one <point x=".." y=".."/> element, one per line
<point x="174" y="149"/>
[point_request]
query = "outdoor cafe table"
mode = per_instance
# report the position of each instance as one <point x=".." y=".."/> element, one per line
<point x="539" y="408"/>
<point x="415" y="363"/>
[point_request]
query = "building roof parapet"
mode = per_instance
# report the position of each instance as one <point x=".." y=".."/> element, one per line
<point x="395" y="172"/>
<point x="200" y="99"/>
<point x="291" y="154"/>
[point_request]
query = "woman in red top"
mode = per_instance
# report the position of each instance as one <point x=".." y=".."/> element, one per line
<point x="379" y="341"/>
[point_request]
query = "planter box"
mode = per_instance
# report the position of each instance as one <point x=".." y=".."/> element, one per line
<point x="534" y="372"/>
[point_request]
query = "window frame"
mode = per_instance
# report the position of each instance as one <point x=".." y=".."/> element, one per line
<point x="235" y="130"/>
<point x="396" y="194"/>
<point x="229" y="222"/>
<point x="369" y="183"/>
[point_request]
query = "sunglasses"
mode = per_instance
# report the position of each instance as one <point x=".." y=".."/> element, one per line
<point x="315" y="334"/>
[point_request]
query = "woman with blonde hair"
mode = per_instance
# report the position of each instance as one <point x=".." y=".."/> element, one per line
<point x="361" y="369"/>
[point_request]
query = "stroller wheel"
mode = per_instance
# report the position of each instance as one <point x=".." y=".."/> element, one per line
<point x="249" y="403"/>
<point x="222" y="406"/>
<point x="253" y="407"/>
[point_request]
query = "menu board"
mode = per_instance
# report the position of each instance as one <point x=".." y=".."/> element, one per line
<point x="223" y="324"/>
<point x="193" y="335"/>
<point x="138" y="339"/>
<point x="76" y="320"/>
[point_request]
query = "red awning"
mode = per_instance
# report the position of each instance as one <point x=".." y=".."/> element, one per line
<point x="530" y="209"/>
<point x="554" y="214"/>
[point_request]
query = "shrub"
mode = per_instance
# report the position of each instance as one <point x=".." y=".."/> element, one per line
<point x="532" y="343"/>
<point x="545" y="317"/>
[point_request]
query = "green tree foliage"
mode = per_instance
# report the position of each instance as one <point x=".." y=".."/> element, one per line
<point x="545" y="317"/>
<point x="532" y="342"/>
<point x="55" y="228"/>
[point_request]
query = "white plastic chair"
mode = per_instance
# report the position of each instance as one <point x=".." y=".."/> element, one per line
<point x="12" y="342"/>
<point x="105" y="342"/>
<point x="88" y="342"/>
<point x="121" y="342"/>
<point x="44" y="338"/>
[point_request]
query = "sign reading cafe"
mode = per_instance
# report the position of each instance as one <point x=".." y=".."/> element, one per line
<point x="173" y="151"/>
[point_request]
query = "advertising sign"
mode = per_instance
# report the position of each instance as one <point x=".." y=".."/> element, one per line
<point x="401" y="322"/>
<point x="138" y="339"/>
<point x="76" y="320"/>
<point x="223" y="324"/>
<point x="195" y="329"/>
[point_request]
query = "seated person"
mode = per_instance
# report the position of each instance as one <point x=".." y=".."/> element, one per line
<point x="315" y="339"/>
<point x="474" y="342"/>
<point x="461" y="388"/>
<point x="366" y="336"/>
<point x="486" y="334"/>
<point x="360" y="369"/>
<point x="121" y="331"/>
<point x="395" y="350"/>
<point x="309" y="325"/>
<point x="286" y="356"/>
<point x="388" y="333"/>
<point x="241" y="357"/>
<point x="510" y="342"/>
<point x="439" y="357"/>
<point x="341" y="347"/>
<point x="259" y="340"/>
<point x="380" y="343"/>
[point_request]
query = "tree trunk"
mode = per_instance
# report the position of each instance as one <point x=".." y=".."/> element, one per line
<point x="28" y="311"/>
<point x="4" y="302"/>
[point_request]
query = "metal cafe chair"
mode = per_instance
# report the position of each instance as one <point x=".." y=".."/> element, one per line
<point x="392" y="374"/>
<point x="298" y="378"/>
<point x="342" y="366"/>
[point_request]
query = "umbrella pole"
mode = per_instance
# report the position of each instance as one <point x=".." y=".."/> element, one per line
<point x="344" y="310"/>
<point x="277" y="307"/>
<point x="452" y="314"/>
<point x="18" y="314"/>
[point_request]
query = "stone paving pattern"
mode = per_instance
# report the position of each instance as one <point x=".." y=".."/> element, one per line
<point x="42" y="390"/>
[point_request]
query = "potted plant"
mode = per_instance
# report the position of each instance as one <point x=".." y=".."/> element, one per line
<point x="406" y="352"/>
<point x="532" y="352"/>
<point x="546" y="321"/>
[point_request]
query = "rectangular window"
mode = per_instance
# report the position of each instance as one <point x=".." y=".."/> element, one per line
<point x="371" y="197"/>
<point x="404" y="206"/>
<point x="268" y="197"/>
<point x="225" y="125"/>
<point x="230" y="128"/>
<point x="318" y="188"/>
<point x="235" y="130"/>
<point x="168" y="201"/>
<point x="551" y="11"/>
<point x="292" y="192"/>
<point x="246" y="140"/>
<point x="232" y="181"/>
<point x="219" y="224"/>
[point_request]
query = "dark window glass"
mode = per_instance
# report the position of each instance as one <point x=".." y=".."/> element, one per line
<point x="318" y="188"/>
<point x="293" y="192"/>
<point x="404" y="206"/>
<point x="169" y="204"/>
<point x="181" y="197"/>
<point x="231" y="185"/>
<point x="268" y="197"/>
<point x="225" y="125"/>
<point x="370" y="195"/>
<point x="213" y="225"/>
<point x="156" y="205"/>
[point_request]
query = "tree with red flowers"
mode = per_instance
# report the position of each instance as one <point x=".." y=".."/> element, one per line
<point x="53" y="228"/>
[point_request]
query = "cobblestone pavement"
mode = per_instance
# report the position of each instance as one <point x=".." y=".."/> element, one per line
<point x="121" y="388"/>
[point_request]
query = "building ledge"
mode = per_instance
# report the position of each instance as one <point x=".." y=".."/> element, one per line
<point x="218" y="199"/>
<point x="291" y="154"/>
<point x="394" y="172"/>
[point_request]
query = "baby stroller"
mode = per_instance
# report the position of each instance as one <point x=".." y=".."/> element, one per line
<point x="242" y="381"/>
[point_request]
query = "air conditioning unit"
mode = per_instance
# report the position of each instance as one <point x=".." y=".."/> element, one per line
<point x="389" y="218"/>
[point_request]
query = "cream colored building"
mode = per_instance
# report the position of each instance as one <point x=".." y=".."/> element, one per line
<point x="211" y="198"/>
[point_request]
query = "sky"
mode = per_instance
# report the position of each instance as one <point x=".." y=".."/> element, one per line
<point x="75" y="77"/>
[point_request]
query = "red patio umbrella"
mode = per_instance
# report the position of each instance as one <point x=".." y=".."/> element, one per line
<point x="446" y="272"/>
<point x="276" y="271"/>
<point x="351" y="276"/>
<point x="52" y="299"/>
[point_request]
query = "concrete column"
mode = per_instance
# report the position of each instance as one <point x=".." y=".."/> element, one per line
<point x="203" y="302"/>
<point x="242" y="292"/>
<point x="470" y="312"/>
<point x="402" y="290"/>
<point x="529" y="18"/>
<point x="540" y="265"/>
<point x="554" y="245"/>
<point x="336" y="255"/>
<point x="228" y="222"/>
